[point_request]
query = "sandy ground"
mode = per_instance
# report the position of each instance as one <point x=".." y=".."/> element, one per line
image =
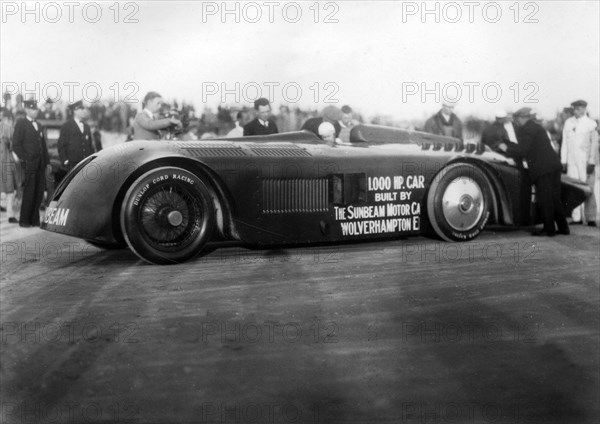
<point x="504" y="329"/>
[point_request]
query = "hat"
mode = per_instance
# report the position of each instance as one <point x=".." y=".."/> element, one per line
<point x="500" y="114"/>
<point x="524" y="111"/>
<point x="578" y="103"/>
<point x="30" y="104"/>
<point x="77" y="105"/>
<point x="331" y="113"/>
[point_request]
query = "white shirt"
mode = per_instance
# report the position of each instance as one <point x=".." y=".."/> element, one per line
<point x="35" y="125"/>
<point x="79" y="124"/>
<point x="264" y="123"/>
<point x="147" y="112"/>
<point x="238" y="131"/>
<point x="508" y="126"/>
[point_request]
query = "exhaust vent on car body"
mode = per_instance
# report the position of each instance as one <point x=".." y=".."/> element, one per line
<point x="295" y="195"/>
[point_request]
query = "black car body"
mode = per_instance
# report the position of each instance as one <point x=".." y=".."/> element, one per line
<point x="167" y="199"/>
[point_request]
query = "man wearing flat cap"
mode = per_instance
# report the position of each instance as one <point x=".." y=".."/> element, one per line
<point x="544" y="170"/>
<point x="496" y="133"/>
<point x="29" y="146"/>
<point x="579" y="154"/>
<point x="330" y="114"/>
<point x="75" y="140"/>
<point x="445" y="122"/>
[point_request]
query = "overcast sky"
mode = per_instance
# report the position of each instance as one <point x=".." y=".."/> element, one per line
<point x="377" y="57"/>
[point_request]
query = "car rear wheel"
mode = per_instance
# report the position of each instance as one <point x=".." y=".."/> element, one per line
<point x="458" y="202"/>
<point x="167" y="215"/>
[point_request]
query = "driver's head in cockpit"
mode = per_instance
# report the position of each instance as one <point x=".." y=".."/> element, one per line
<point x="327" y="133"/>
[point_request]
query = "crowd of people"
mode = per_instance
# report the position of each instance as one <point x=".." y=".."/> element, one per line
<point x="566" y="144"/>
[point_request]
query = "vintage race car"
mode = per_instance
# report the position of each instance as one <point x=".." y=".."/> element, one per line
<point x="167" y="199"/>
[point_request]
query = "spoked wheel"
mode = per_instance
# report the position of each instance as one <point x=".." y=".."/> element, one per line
<point x="458" y="202"/>
<point x="167" y="215"/>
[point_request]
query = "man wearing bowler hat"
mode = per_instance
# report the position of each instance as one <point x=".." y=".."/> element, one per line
<point x="579" y="151"/>
<point x="75" y="140"/>
<point x="29" y="146"/>
<point x="544" y="170"/>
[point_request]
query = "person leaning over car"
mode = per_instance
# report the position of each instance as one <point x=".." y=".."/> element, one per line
<point x="496" y="133"/>
<point x="145" y="126"/>
<point x="544" y="170"/>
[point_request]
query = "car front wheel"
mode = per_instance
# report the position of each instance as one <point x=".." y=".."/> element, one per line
<point x="458" y="202"/>
<point x="167" y="215"/>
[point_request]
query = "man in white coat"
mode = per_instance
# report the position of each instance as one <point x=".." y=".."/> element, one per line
<point x="578" y="153"/>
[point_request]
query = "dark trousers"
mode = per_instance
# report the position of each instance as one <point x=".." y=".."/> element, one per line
<point x="34" y="184"/>
<point x="547" y="189"/>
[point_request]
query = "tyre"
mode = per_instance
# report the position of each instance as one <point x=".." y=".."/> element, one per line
<point x="167" y="216"/>
<point x="458" y="202"/>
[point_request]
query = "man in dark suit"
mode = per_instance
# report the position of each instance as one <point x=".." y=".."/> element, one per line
<point x="331" y="114"/>
<point x="544" y="168"/>
<point x="29" y="145"/>
<point x="262" y="124"/>
<point x="75" y="140"/>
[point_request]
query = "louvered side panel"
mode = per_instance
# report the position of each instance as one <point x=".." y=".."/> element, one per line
<point x="216" y="152"/>
<point x="287" y="152"/>
<point x="294" y="195"/>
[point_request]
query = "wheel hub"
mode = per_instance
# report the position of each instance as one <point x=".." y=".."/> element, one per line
<point x="167" y="217"/>
<point x="466" y="203"/>
<point x="462" y="203"/>
<point x="175" y="218"/>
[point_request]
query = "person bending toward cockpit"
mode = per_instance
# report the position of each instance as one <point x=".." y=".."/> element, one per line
<point x="146" y="126"/>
